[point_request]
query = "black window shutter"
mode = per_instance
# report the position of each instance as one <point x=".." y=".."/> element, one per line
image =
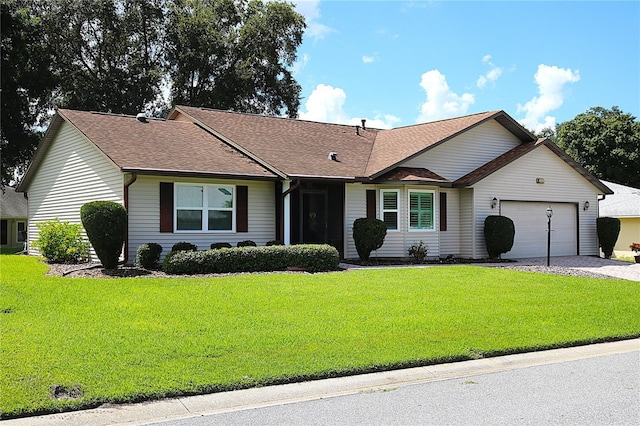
<point x="443" y="211"/>
<point x="371" y="203"/>
<point x="242" y="208"/>
<point x="166" y="206"/>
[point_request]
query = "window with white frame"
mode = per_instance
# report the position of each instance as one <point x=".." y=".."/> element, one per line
<point x="22" y="232"/>
<point x="389" y="208"/>
<point x="421" y="211"/>
<point x="204" y="207"/>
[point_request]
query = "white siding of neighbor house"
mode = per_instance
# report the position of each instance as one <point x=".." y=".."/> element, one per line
<point x="517" y="182"/>
<point x="466" y="152"/>
<point x="397" y="242"/>
<point x="74" y="173"/>
<point x="144" y="215"/>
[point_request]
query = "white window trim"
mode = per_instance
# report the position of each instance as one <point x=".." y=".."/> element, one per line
<point x="18" y="231"/>
<point x="396" y="210"/>
<point x="433" y="210"/>
<point x="205" y="210"/>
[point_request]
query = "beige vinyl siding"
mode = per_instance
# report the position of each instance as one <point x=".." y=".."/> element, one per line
<point x="74" y="173"/>
<point x="397" y="242"/>
<point x="466" y="152"/>
<point x="144" y="215"/>
<point x="517" y="182"/>
<point x="450" y="239"/>
<point x="467" y="235"/>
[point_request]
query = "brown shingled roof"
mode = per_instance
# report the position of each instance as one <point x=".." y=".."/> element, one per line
<point x="161" y="146"/>
<point x="297" y="148"/>
<point x="412" y="175"/>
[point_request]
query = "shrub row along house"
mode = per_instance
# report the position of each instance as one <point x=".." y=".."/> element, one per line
<point x="207" y="176"/>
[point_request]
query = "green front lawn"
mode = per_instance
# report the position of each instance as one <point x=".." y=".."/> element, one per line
<point x="130" y="339"/>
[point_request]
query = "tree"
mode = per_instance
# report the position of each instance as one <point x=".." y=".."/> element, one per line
<point x="27" y="83"/>
<point x="606" y="142"/>
<point x="234" y="55"/>
<point x="107" y="53"/>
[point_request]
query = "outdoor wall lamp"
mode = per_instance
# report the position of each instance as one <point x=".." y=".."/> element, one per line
<point x="549" y="214"/>
<point x="586" y="205"/>
<point x="494" y="203"/>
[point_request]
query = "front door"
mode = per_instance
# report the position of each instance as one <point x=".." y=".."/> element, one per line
<point x="314" y="224"/>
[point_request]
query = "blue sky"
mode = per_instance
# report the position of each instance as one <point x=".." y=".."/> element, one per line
<point x="398" y="63"/>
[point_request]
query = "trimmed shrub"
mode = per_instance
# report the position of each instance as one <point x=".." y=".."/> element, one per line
<point x="184" y="246"/>
<point x="274" y="243"/>
<point x="148" y="255"/>
<point x="418" y="251"/>
<point x="368" y="234"/>
<point x="499" y="232"/>
<point x="61" y="242"/>
<point x="106" y="224"/>
<point x="312" y="257"/>
<point x="216" y="246"/>
<point x="246" y="243"/>
<point x="608" y="229"/>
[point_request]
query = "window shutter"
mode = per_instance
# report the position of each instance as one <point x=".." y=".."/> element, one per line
<point x="443" y="211"/>
<point x="166" y="206"/>
<point x="242" y="208"/>
<point x="371" y="203"/>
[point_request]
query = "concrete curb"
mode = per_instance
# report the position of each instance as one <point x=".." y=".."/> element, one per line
<point x="195" y="406"/>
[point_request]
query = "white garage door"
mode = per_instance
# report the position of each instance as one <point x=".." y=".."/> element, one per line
<point x="530" y="220"/>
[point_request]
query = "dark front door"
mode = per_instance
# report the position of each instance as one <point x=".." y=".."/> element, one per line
<point x="4" y="232"/>
<point x="313" y="223"/>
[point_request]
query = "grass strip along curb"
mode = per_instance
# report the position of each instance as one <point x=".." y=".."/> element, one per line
<point x="73" y="343"/>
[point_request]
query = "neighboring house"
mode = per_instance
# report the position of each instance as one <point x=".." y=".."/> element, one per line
<point x="206" y="176"/>
<point x="13" y="218"/>
<point x="624" y="204"/>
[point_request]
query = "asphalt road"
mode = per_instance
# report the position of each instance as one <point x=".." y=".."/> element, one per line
<point x="603" y="390"/>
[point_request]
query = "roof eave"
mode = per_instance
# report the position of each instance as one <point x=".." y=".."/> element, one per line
<point x="197" y="173"/>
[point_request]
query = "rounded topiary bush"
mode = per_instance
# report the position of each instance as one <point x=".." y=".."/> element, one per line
<point x="184" y="246"/>
<point x="216" y="246"/>
<point x="608" y="229"/>
<point x="499" y="232"/>
<point x="148" y="255"/>
<point x="246" y="243"/>
<point x="368" y="234"/>
<point x="274" y="243"/>
<point x="105" y="223"/>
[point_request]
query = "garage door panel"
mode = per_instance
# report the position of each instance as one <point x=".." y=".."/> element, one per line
<point x="530" y="222"/>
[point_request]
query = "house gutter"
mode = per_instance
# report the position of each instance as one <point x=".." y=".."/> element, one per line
<point x="127" y="184"/>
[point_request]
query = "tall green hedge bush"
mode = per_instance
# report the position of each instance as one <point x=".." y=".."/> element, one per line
<point x="106" y="224"/>
<point x="499" y="232"/>
<point x="368" y="235"/>
<point x="608" y="229"/>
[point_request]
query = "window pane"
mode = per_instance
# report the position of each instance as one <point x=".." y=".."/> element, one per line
<point x="220" y="197"/>
<point x="189" y="220"/>
<point x="22" y="232"/>
<point x="189" y="196"/>
<point x="391" y="220"/>
<point x="389" y="200"/>
<point x="420" y="210"/>
<point x="220" y="220"/>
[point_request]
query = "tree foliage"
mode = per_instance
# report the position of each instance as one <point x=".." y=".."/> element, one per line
<point x="234" y="55"/>
<point x="27" y="84"/>
<point x="124" y="56"/>
<point x="606" y="142"/>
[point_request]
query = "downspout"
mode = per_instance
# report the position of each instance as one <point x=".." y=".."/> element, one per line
<point x="292" y="188"/>
<point x="127" y="184"/>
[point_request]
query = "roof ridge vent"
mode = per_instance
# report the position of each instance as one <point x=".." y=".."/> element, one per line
<point x="141" y="117"/>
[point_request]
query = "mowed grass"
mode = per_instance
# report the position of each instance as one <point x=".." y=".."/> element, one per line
<point x="124" y="340"/>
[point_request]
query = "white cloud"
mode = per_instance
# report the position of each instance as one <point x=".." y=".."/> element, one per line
<point x="551" y="81"/>
<point x="441" y="101"/>
<point x="300" y="64"/>
<point x="491" y="76"/>
<point x="310" y="9"/>
<point x="368" y="59"/>
<point x="326" y="104"/>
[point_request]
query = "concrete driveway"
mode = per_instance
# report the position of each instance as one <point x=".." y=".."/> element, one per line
<point x="609" y="267"/>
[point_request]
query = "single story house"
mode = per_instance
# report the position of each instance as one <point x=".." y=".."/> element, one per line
<point x="13" y="218"/>
<point x="205" y="176"/>
<point x="624" y="204"/>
